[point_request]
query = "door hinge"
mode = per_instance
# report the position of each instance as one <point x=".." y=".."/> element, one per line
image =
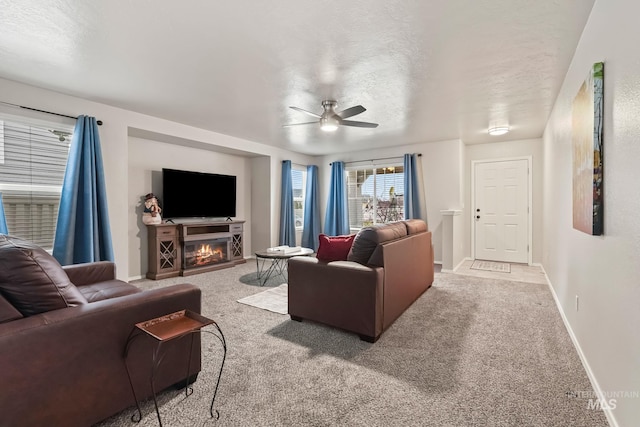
<point x="527" y="248"/>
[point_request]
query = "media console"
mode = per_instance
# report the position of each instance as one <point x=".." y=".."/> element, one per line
<point x="183" y="249"/>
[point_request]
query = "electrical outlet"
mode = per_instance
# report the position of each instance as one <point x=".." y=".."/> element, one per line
<point x="577" y="303"/>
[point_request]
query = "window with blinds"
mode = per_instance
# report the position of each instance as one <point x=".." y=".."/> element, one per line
<point x="299" y="181"/>
<point x="375" y="195"/>
<point x="32" y="166"/>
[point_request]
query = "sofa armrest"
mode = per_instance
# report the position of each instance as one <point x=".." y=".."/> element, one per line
<point x="343" y="294"/>
<point x="90" y="272"/>
<point x="80" y="351"/>
<point x="408" y="272"/>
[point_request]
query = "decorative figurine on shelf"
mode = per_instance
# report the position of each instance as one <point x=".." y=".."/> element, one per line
<point x="151" y="212"/>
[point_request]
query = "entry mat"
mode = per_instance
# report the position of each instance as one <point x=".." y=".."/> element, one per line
<point x="501" y="267"/>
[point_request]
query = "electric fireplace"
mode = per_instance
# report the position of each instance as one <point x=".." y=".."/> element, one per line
<point x="205" y="252"/>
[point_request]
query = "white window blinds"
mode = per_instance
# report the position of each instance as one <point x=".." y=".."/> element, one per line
<point x="299" y="181"/>
<point x="375" y="195"/>
<point x="31" y="175"/>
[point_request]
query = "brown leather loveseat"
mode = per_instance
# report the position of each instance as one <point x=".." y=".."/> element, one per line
<point x="63" y="333"/>
<point x="387" y="269"/>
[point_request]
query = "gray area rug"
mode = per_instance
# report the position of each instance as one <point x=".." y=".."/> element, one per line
<point x="469" y="352"/>
<point x="501" y="267"/>
<point x="250" y="277"/>
<point x="273" y="299"/>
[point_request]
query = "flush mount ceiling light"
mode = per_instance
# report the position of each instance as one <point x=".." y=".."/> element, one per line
<point x="329" y="124"/>
<point x="498" y="130"/>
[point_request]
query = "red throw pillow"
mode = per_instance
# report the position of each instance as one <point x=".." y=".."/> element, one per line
<point x="334" y="248"/>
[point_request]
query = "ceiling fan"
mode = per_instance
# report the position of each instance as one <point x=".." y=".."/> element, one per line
<point x="330" y="119"/>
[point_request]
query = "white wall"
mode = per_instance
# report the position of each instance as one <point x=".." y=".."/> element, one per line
<point x="146" y="160"/>
<point x="442" y="167"/>
<point x="261" y="204"/>
<point x="442" y="178"/>
<point x="604" y="271"/>
<point x="452" y="239"/>
<point x="114" y="135"/>
<point x="501" y="150"/>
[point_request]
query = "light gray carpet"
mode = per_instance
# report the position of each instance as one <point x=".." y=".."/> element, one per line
<point x="470" y="352"/>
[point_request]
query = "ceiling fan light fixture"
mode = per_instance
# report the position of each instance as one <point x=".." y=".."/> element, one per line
<point x="328" y="124"/>
<point x="500" y="130"/>
<point x="330" y="120"/>
<point x="329" y="128"/>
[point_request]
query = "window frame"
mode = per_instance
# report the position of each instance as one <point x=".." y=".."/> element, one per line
<point x="43" y="199"/>
<point x="373" y="168"/>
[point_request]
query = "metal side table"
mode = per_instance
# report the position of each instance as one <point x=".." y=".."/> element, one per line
<point x="166" y="328"/>
<point x="278" y="264"/>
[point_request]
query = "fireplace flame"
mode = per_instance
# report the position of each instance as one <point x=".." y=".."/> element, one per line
<point x="206" y="254"/>
<point x="205" y="251"/>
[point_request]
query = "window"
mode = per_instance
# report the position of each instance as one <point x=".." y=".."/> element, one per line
<point x="299" y="181"/>
<point x="375" y="195"/>
<point x="32" y="166"/>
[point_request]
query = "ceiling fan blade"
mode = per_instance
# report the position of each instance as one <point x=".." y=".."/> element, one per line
<point x="358" y="124"/>
<point x="350" y="112"/>
<point x="306" y="112"/>
<point x="299" y="124"/>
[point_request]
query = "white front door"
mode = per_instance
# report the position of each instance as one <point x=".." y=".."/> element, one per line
<point x="501" y="210"/>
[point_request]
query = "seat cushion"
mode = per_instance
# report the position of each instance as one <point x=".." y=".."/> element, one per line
<point x="107" y="290"/>
<point x="32" y="280"/>
<point x="334" y="248"/>
<point x="8" y="312"/>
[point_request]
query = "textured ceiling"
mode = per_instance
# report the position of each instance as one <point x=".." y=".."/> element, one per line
<point x="426" y="70"/>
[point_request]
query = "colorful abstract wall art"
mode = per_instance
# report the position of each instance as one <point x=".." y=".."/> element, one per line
<point x="587" y="153"/>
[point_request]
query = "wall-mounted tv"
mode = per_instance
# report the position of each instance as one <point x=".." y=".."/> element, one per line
<point x="187" y="194"/>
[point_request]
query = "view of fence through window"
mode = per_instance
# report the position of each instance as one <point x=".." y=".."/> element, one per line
<point x="31" y="174"/>
<point x="299" y="179"/>
<point x="375" y="195"/>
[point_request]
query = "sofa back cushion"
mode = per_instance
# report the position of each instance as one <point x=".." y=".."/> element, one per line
<point x="334" y="248"/>
<point x="8" y="312"/>
<point x="32" y="280"/>
<point x="415" y="226"/>
<point x="368" y="239"/>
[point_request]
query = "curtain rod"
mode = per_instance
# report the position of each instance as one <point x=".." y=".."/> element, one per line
<point x="381" y="158"/>
<point x="99" y="122"/>
<point x="296" y="164"/>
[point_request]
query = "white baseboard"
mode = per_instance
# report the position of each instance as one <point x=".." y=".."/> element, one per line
<point x="608" y="412"/>
<point x="130" y="279"/>
<point x="461" y="262"/>
<point x="442" y="270"/>
<point x="446" y="270"/>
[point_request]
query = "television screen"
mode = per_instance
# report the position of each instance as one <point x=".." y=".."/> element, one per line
<point x="195" y="194"/>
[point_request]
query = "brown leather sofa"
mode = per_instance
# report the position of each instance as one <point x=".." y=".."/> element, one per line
<point x="387" y="269"/>
<point x="64" y="366"/>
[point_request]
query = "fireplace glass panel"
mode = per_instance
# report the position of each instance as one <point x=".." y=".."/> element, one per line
<point x="200" y="253"/>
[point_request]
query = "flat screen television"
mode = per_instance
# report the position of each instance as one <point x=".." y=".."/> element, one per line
<point x="187" y="194"/>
